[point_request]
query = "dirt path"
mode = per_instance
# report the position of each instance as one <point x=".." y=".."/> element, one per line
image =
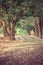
<point x="23" y="55"/>
<point x="22" y="52"/>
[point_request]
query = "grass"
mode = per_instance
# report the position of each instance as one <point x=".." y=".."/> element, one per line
<point x="20" y="31"/>
<point x="1" y="31"/>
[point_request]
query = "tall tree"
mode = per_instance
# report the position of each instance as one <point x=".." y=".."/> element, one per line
<point x="13" y="10"/>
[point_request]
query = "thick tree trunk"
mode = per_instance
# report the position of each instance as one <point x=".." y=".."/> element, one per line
<point x="9" y="31"/>
<point x="15" y="20"/>
<point x="36" y="30"/>
<point x="40" y="29"/>
<point x="5" y="32"/>
<point x="9" y="27"/>
<point x="12" y="34"/>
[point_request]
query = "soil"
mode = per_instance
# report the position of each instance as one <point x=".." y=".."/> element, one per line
<point x="23" y="51"/>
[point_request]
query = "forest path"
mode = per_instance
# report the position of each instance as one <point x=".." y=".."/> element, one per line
<point x="21" y="52"/>
<point x="7" y="45"/>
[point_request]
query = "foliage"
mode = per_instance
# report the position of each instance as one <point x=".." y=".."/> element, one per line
<point x="20" y="31"/>
<point x="23" y="11"/>
<point x="23" y="7"/>
<point x="26" y="23"/>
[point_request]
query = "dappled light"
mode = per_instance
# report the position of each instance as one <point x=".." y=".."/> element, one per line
<point x="21" y="32"/>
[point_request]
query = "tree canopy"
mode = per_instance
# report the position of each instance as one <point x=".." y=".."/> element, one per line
<point x="22" y="7"/>
<point x="12" y="11"/>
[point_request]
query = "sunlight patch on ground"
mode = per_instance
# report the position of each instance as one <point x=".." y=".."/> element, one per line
<point x="23" y="42"/>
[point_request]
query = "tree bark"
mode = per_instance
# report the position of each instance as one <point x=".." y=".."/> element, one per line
<point x="9" y="27"/>
<point x="5" y="31"/>
<point x="15" y="20"/>
<point x="36" y="29"/>
<point x="12" y="34"/>
<point x="9" y="31"/>
<point x="40" y="29"/>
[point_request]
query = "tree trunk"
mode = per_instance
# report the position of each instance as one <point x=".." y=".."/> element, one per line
<point x="15" y="20"/>
<point x="12" y="34"/>
<point x="9" y="31"/>
<point x="36" y="29"/>
<point x="5" y="32"/>
<point x="40" y="29"/>
<point x="9" y="27"/>
<point x="28" y="31"/>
